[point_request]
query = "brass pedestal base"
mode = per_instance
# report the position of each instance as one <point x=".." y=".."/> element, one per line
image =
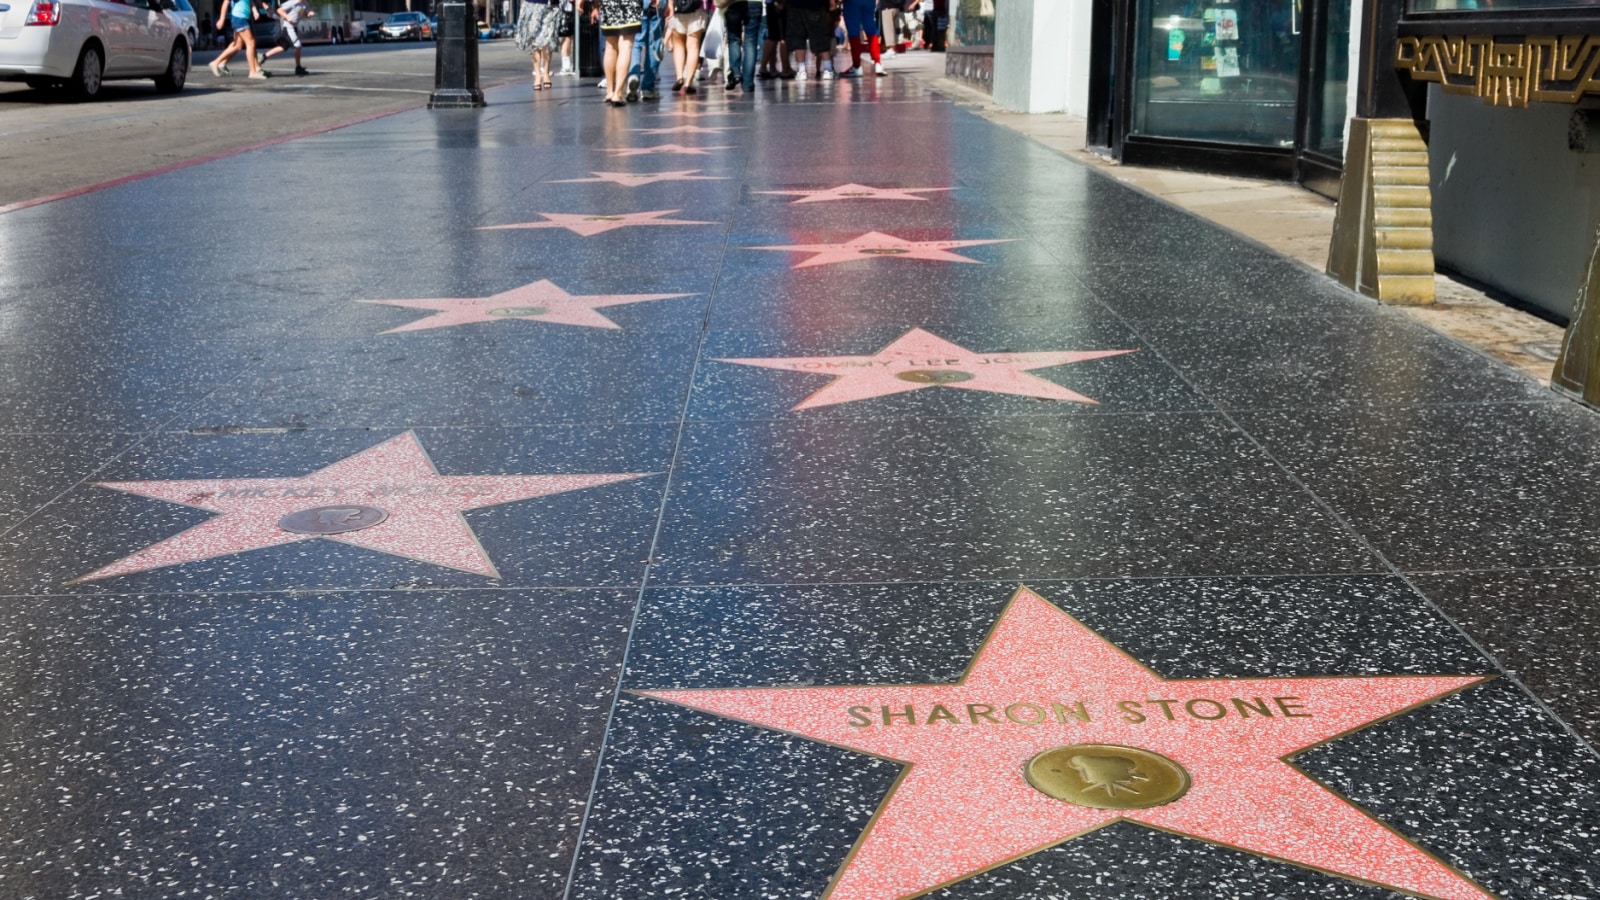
<point x="1578" y="367"/>
<point x="1383" y="232"/>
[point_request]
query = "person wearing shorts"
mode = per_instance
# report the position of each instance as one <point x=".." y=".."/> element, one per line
<point x="808" y="26"/>
<point x="772" y="48"/>
<point x="687" y="21"/>
<point x="619" y="21"/>
<point x="239" y="13"/>
<point x="289" y="16"/>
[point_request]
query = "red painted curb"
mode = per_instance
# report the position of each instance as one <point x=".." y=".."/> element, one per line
<point x="221" y="154"/>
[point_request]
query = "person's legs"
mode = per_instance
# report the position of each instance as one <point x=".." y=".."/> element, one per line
<point x="856" y="18"/>
<point x="752" y="41"/>
<point x="691" y="42"/>
<point x="675" y="43"/>
<point x="650" y="50"/>
<point x="250" y="52"/>
<point x="610" y="65"/>
<point x="624" y="49"/>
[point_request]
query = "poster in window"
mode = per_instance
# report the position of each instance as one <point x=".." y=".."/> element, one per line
<point x="1227" y="25"/>
<point x="1227" y="62"/>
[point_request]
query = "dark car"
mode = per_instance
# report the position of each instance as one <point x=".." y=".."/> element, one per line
<point x="373" y="33"/>
<point x="407" y="26"/>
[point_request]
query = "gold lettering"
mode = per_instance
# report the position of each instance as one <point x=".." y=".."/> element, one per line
<point x="976" y="711"/>
<point x="860" y="717"/>
<point x="1220" y="710"/>
<point x="1130" y="711"/>
<point x="1079" y="712"/>
<point x="940" y="714"/>
<point x="1288" y="705"/>
<point x="1038" y="713"/>
<point x="910" y="715"/>
<point x="1245" y="707"/>
<point x="1166" y="707"/>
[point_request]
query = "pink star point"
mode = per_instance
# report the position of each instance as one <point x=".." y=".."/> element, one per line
<point x="659" y="149"/>
<point x="876" y="245"/>
<point x="855" y="191"/>
<point x="919" y="359"/>
<point x="422" y="509"/>
<point x="631" y="179"/>
<point x="686" y="129"/>
<point x="591" y="224"/>
<point x="1044" y="680"/>
<point x="541" y="301"/>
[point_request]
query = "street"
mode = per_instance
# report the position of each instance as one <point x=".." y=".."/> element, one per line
<point x="48" y="146"/>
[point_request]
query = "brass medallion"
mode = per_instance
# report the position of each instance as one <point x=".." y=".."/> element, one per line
<point x="885" y="251"/>
<point x="934" y="376"/>
<point x="332" y="519"/>
<point x="1107" y="776"/>
<point x="519" y="311"/>
<point x="856" y="194"/>
<point x="602" y="219"/>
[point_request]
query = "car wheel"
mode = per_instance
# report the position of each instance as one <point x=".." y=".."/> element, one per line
<point x="85" y="81"/>
<point x="171" y="81"/>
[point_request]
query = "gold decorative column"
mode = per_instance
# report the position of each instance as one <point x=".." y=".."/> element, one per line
<point x="1383" y="231"/>
<point x="1578" y="367"/>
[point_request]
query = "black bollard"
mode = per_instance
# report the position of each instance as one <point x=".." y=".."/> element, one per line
<point x="455" y="73"/>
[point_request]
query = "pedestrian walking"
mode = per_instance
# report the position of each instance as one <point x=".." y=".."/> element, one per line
<point x="808" y="26"/>
<point x="774" y="50"/>
<point x="619" y="21"/>
<point x="239" y="14"/>
<point x="536" y="36"/>
<point x="646" y="63"/>
<point x="742" y="23"/>
<point x="687" y="21"/>
<point x="289" y="16"/>
<point x="861" y="27"/>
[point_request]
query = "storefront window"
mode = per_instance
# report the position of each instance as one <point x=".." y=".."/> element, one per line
<point x="1488" y="6"/>
<point x="974" y="23"/>
<point x="1327" y="134"/>
<point x="1222" y="71"/>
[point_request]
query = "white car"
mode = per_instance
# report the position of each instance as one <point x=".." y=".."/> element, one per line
<point x="77" y="44"/>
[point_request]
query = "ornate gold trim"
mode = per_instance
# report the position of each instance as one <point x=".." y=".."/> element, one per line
<point x="1538" y="68"/>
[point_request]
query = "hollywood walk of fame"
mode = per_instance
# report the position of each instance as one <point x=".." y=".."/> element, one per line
<point x="855" y="191"/>
<point x="665" y="148"/>
<point x="919" y="359"/>
<point x="631" y="179"/>
<point x="387" y="498"/>
<point x="541" y="301"/>
<point x="687" y="129"/>
<point x="876" y="244"/>
<point x="1048" y="702"/>
<point x="590" y="225"/>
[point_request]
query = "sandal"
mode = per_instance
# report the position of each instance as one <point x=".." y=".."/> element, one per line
<point x="677" y="85"/>
<point x="547" y="84"/>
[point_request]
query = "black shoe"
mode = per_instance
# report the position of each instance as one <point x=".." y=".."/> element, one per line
<point x="677" y="85"/>
<point x="731" y="83"/>
<point x="301" y="70"/>
<point x="690" y="89"/>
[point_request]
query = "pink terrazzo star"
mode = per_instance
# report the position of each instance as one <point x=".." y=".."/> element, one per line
<point x="540" y="301"/>
<point x="590" y="225"/>
<point x="686" y="129"/>
<point x="857" y="192"/>
<point x="876" y="244"/>
<point x="387" y="498"/>
<point x="664" y="148"/>
<point x="1043" y="680"/>
<point x="919" y="359"/>
<point x="629" y="179"/>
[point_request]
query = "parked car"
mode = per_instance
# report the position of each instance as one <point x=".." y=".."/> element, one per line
<point x="188" y="19"/>
<point x="79" y="44"/>
<point x="372" y="33"/>
<point x="407" y="26"/>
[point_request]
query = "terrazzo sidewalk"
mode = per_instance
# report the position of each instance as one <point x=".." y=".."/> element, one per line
<point x="822" y="494"/>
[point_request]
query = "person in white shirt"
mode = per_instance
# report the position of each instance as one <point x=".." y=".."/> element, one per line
<point x="289" y="16"/>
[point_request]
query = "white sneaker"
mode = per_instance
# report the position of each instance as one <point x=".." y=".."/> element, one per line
<point x="827" y="74"/>
<point x="800" y="74"/>
<point x="878" y="69"/>
<point x="566" y="65"/>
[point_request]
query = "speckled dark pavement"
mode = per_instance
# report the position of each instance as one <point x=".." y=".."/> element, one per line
<point x="761" y="530"/>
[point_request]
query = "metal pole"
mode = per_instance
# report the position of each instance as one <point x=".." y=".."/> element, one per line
<point x="577" y="40"/>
